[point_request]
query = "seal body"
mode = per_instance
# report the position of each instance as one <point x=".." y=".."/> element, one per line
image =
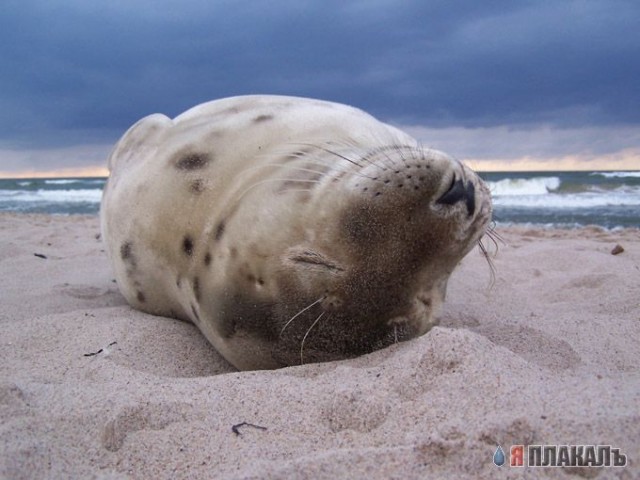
<point x="289" y="230"/>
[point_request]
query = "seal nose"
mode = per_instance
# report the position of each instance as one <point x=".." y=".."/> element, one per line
<point x="457" y="192"/>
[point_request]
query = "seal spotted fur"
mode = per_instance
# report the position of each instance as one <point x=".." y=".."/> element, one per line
<point x="289" y="230"/>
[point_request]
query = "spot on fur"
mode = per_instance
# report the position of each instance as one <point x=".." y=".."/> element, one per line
<point x="125" y="251"/>
<point x="219" y="231"/>
<point x="193" y="161"/>
<point x="262" y="118"/>
<point x="141" y="297"/>
<point x="187" y="245"/>
<point x="207" y="259"/>
<point x="197" y="186"/>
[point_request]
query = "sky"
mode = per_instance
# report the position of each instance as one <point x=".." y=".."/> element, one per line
<point x="502" y="85"/>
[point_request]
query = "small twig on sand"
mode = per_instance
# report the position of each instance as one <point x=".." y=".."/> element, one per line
<point x="99" y="351"/>
<point x="236" y="428"/>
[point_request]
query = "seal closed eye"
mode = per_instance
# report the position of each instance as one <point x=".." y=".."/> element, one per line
<point x="304" y="241"/>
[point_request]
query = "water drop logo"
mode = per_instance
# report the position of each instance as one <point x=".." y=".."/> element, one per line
<point x="498" y="457"/>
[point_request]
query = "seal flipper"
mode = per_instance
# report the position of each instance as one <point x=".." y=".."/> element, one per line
<point x="138" y="138"/>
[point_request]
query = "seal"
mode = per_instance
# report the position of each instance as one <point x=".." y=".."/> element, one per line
<point x="288" y="230"/>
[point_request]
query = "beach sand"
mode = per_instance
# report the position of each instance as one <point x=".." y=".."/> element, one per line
<point x="549" y="355"/>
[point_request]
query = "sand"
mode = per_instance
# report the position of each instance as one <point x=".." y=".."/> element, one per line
<point x="549" y="355"/>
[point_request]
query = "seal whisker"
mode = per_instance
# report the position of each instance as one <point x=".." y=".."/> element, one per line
<point x="343" y="157"/>
<point x="492" y="268"/>
<point x="337" y="167"/>
<point x="332" y="169"/>
<point x="299" y="313"/>
<point x="300" y="169"/>
<point x="275" y="180"/>
<point x="353" y="146"/>
<point x="307" y="190"/>
<point x="495" y="236"/>
<point x="385" y="152"/>
<point x="306" y="335"/>
<point x="287" y="166"/>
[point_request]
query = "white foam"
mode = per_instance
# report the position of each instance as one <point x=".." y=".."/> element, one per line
<point x="523" y="186"/>
<point x="617" y="174"/>
<point x="24" y="184"/>
<point x="576" y="201"/>
<point x="52" y="196"/>
<point x="61" y="181"/>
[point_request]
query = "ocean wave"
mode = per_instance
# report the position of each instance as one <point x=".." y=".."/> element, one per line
<point x="52" y="196"/>
<point x="575" y="201"/>
<point x="617" y="174"/>
<point x="24" y="184"/>
<point x="523" y="186"/>
<point x="68" y="181"/>
<point x="61" y="181"/>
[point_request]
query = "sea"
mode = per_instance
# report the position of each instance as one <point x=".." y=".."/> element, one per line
<point x="538" y="199"/>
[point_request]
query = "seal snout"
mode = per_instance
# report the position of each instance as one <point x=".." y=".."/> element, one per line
<point x="459" y="191"/>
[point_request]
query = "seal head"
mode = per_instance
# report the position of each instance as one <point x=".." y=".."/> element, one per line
<point x="357" y="256"/>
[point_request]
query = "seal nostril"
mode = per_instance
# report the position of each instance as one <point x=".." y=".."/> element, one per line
<point x="454" y="194"/>
<point x="457" y="192"/>
<point x="471" y="198"/>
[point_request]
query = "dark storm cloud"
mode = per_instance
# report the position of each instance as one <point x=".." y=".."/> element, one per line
<point x="80" y="72"/>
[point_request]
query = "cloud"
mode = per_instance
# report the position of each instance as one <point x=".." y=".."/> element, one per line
<point x="77" y="157"/>
<point x="543" y="143"/>
<point x="78" y="73"/>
